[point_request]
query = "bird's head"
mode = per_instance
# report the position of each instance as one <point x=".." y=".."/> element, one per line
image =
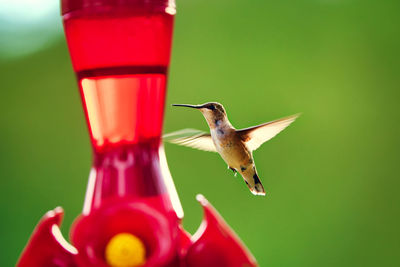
<point x="213" y="112"/>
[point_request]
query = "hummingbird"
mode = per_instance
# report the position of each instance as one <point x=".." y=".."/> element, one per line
<point x="234" y="146"/>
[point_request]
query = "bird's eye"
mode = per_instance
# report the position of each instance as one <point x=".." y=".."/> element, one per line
<point x="212" y="107"/>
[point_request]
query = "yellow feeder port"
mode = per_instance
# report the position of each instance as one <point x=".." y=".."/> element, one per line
<point x="125" y="250"/>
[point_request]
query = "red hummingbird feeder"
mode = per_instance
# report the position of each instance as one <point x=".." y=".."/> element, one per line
<point x="120" y="52"/>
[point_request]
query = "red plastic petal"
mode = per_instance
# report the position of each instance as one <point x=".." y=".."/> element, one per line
<point x="158" y="231"/>
<point x="47" y="247"/>
<point x="185" y="242"/>
<point x="216" y="244"/>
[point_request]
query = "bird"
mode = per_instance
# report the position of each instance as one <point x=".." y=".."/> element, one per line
<point x="234" y="146"/>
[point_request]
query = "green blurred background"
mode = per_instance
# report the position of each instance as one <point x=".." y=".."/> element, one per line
<point x="332" y="177"/>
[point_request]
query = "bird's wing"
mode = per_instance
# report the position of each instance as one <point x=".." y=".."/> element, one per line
<point x="191" y="138"/>
<point x="255" y="136"/>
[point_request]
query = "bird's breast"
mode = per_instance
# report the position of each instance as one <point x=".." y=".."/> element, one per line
<point x="221" y="137"/>
<point x="231" y="149"/>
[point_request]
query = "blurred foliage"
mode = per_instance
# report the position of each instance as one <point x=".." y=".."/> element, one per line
<point x="332" y="176"/>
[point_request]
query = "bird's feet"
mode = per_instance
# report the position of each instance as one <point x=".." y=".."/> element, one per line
<point x="234" y="170"/>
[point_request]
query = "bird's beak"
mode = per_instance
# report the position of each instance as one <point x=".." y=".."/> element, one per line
<point x="189" y="106"/>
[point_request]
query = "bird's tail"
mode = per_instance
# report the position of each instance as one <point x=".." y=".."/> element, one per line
<point x="254" y="184"/>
